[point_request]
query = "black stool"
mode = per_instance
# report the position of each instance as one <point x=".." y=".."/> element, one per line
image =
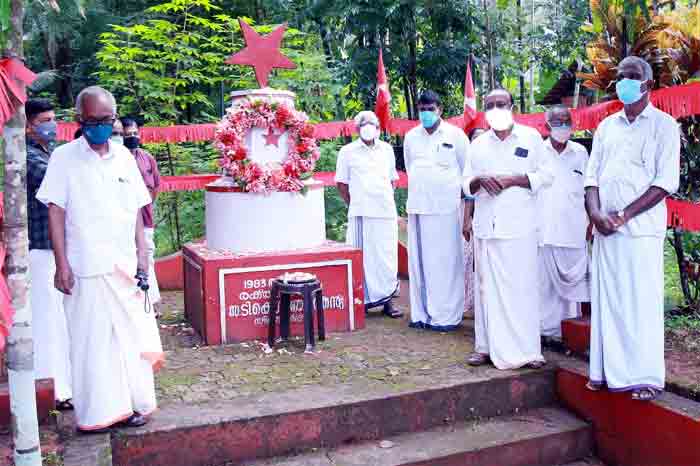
<point x="280" y="294"/>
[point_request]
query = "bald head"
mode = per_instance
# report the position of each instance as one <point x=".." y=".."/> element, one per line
<point x="95" y="99"/>
<point x="498" y="98"/>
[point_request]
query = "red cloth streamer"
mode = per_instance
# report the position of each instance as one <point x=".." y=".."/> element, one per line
<point x="7" y="312"/>
<point x="678" y="101"/>
<point x="683" y="214"/>
<point x="12" y="95"/>
<point x="383" y="106"/>
<point x="186" y="182"/>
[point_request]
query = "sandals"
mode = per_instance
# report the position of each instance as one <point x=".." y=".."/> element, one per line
<point x="65" y="405"/>
<point x="478" y="359"/>
<point x="536" y="364"/>
<point x="645" y="394"/>
<point x="593" y="386"/>
<point x="389" y="311"/>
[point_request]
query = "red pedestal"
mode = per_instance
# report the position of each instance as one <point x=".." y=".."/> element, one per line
<point x="227" y="295"/>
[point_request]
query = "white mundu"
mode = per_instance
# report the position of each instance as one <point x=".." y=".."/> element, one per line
<point x="51" y="353"/>
<point x="563" y="256"/>
<point x="114" y="340"/>
<point x="506" y="297"/>
<point x="369" y="171"/>
<point x="627" y="273"/>
<point x="434" y="163"/>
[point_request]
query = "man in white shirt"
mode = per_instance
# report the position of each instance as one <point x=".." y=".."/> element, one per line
<point x="507" y="167"/>
<point x="564" y="278"/>
<point x="365" y="175"/>
<point x="634" y="165"/>
<point x="94" y="191"/>
<point x="434" y="154"/>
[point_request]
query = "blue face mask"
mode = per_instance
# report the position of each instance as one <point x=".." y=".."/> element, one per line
<point x="428" y="118"/>
<point x="98" y="134"/>
<point x="629" y="91"/>
<point x="46" y="131"/>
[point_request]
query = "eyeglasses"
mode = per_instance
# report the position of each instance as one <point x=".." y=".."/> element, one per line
<point x="104" y="121"/>
<point x="499" y="105"/>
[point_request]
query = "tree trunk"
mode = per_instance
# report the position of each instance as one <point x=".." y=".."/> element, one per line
<point x="680" y="259"/>
<point x="412" y="67"/>
<point x="521" y="78"/>
<point x="171" y="165"/>
<point x="64" y="62"/>
<point x="328" y="53"/>
<point x="20" y="343"/>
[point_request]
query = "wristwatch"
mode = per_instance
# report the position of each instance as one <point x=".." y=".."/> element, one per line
<point x="621" y="214"/>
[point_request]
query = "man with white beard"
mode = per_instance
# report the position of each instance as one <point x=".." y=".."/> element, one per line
<point x="94" y="191"/>
<point x="365" y="176"/>
<point x="434" y="154"/>
<point x="564" y="279"/>
<point x="634" y="165"/>
<point x="507" y="167"/>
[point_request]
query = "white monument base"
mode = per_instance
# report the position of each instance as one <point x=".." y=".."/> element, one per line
<point x="248" y="222"/>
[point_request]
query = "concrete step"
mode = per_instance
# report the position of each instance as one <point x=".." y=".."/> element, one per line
<point x="541" y="437"/>
<point x="587" y="462"/>
<point x="276" y="424"/>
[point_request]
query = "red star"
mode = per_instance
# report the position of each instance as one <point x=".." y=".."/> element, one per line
<point x="272" y="138"/>
<point x="262" y="53"/>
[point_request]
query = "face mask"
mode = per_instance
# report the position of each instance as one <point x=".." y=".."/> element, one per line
<point x="132" y="142"/>
<point x="428" y="119"/>
<point x="629" y="91"/>
<point x="368" y="132"/>
<point x="500" y="119"/>
<point x="560" y="134"/>
<point x="97" y="135"/>
<point x="46" y="131"/>
<point x="117" y="139"/>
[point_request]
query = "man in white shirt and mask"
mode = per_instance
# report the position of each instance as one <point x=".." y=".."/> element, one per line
<point x="434" y="154"/>
<point x="365" y="176"/>
<point x="564" y="280"/>
<point x="634" y="165"/>
<point x="507" y="167"/>
<point x="94" y="191"/>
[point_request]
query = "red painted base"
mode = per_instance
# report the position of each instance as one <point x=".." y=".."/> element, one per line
<point x="45" y="401"/>
<point x="576" y="334"/>
<point x="227" y="295"/>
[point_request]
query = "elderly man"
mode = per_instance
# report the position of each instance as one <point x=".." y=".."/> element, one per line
<point x="507" y="168"/>
<point x="365" y="176"/>
<point x="51" y="358"/>
<point x="434" y="154"/>
<point x="94" y="192"/>
<point x="151" y="177"/>
<point x="563" y="222"/>
<point x="634" y="165"/>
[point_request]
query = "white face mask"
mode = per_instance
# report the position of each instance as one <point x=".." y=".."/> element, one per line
<point x="117" y="139"/>
<point x="500" y="119"/>
<point x="561" y="134"/>
<point x="368" y="132"/>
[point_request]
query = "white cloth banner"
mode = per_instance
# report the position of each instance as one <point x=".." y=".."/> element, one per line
<point x="115" y="347"/>
<point x="506" y="301"/>
<point x="51" y="342"/>
<point x="378" y="238"/>
<point x="627" y="312"/>
<point x="436" y="269"/>
<point x="564" y="282"/>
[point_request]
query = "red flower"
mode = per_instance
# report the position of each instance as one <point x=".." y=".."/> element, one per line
<point x="282" y="115"/>
<point x="302" y="148"/>
<point x="307" y="131"/>
<point x="240" y="154"/>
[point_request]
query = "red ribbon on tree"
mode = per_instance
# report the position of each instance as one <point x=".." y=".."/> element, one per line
<point x="383" y="105"/>
<point x="12" y="95"/>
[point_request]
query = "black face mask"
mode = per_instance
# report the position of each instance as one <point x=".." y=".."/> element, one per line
<point x="131" y="142"/>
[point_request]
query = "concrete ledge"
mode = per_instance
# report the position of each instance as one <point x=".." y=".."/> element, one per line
<point x="45" y="401"/>
<point x="632" y="433"/>
<point x="277" y="424"/>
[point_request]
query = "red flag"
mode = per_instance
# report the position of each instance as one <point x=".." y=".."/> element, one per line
<point x="383" y="105"/>
<point x="469" y="98"/>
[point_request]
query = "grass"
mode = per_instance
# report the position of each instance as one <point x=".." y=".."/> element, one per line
<point x="673" y="295"/>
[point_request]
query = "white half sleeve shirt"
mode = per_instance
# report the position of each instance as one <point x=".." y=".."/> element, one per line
<point x="561" y="207"/>
<point x="368" y="171"/>
<point x="511" y="214"/>
<point x="101" y="197"/>
<point x="434" y="163"/>
<point x="629" y="158"/>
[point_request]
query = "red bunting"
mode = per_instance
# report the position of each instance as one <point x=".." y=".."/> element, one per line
<point x="12" y="95"/>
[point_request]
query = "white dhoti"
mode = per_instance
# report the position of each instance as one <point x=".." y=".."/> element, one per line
<point x="51" y="343"/>
<point x="378" y="238"/>
<point x="627" y="312"/>
<point x="153" y="290"/>
<point x="506" y="300"/>
<point x="436" y="269"/>
<point x="115" y="347"/>
<point x="564" y="283"/>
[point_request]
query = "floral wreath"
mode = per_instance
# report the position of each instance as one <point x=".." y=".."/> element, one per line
<point x="254" y="177"/>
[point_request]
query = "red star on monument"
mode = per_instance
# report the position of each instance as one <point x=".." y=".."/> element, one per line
<point x="262" y="53"/>
<point x="272" y="138"/>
